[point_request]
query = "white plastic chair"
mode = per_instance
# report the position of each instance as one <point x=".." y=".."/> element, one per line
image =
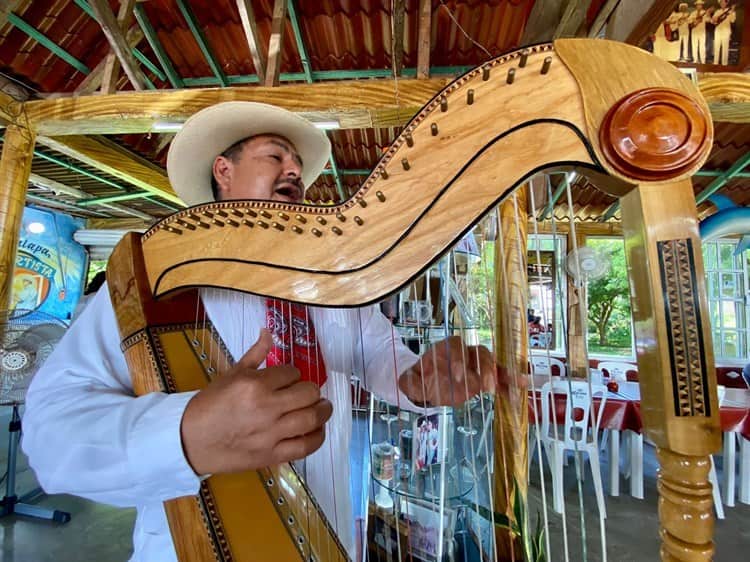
<point x="617" y="370"/>
<point x="542" y="365"/>
<point x="576" y="436"/>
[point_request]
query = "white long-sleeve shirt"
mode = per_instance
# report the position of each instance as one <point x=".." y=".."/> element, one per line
<point x="87" y="434"/>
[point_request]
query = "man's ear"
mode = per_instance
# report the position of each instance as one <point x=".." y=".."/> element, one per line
<point x="222" y="171"/>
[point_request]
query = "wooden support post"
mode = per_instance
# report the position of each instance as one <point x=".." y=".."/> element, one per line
<point x="425" y="38"/>
<point x="397" y="43"/>
<point x="119" y="45"/>
<point x="511" y="422"/>
<point x="249" y="26"/>
<point x="577" y="325"/>
<point x="676" y="369"/>
<point x="276" y="43"/>
<point x="111" y="62"/>
<point x="15" y="165"/>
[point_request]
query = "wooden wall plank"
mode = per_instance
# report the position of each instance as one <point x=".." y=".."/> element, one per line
<point x="424" y="40"/>
<point x="112" y="62"/>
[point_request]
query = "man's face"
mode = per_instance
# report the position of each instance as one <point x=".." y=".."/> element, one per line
<point x="266" y="167"/>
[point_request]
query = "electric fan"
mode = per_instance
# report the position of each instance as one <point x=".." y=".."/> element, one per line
<point x="586" y="264"/>
<point x="27" y="339"/>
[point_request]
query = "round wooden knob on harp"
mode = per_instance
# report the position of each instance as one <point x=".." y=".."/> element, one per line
<point x="655" y="134"/>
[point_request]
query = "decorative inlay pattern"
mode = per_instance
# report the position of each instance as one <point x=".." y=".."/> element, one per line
<point x="684" y="328"/>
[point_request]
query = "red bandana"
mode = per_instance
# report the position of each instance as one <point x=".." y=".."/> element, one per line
<point x="298" y="346"/>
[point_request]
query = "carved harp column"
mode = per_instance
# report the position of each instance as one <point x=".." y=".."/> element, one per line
<point x="543" y="107"/>
<point x="511" y="421"/>
<point x="654" y="136"/>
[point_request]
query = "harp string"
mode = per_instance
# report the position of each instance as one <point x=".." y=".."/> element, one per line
<point x="534" y="393"/>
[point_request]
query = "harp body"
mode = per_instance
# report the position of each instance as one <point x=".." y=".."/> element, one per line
<point x="571" y="104"/>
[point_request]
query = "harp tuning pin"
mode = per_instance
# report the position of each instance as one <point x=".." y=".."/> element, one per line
<point x="405" y="163"/>
<point x="511" y="76"/>
<point x="277" y="226"/>
<point x="362" y="202"/>
<point x="443" y="103"/>
<point x="321" y="220"/>
<point x="296" y="229"/>
<point x="470" y="97"/>
<point x="486" y="73"/>
<point x="409" y="140"/>
<point x="341" y="217"/>
<point x="203" y="224"/>
<point x="252" y="213"/>
<point x="237" y="213"/>
<point x="545" y="66"/>
<point x="337" y="230"/>
<point x="221" y="213"/>
<point x="217" y="222"/>
<point x="317" y="232"/>
<point x="247" y="223"/>
<point x="524" y="58"/>
<point x="359" y="221"/>
<point x="194" y="217"/>
<point x="231" y="222"/>
<point x="383" y="173"/>
<point x="262" y="224"/>
<point x="265" y="214"/>
<point x="176" y="230"/>
<point x="434" y="129"/>
<point x="186" y="224"/>
<point x="283" y="216"/>
<point x="380" y="195"/>
<point x="300" y="218"/>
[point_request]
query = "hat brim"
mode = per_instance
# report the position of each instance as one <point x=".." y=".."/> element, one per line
<point x="211" y="131"/>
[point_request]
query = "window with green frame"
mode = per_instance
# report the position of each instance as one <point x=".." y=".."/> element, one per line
<point x="728" y="299"/>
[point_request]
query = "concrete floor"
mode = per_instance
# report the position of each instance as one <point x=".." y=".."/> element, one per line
<point x="100" y="533"/>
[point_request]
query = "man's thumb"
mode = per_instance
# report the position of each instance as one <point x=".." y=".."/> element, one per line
<point x="259" y="351"/>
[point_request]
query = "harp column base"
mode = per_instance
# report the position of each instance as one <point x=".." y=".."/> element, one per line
<point x="685" y="507"/>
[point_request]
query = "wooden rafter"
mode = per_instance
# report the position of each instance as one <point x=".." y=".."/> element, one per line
<point x="399" y="9"/>
<point x="276" y="43"/>
<point x="354" y="104"/>
<point x="573" y="17"/>
<point x="117" y="41"/>
<point x="108" y="157"/>
<point x="111" y="62"/>
<point x="633" y="20"/>
<point x="543" y="20"/>
<point x="601" y="18"/>
<point x="93" y="80"/>
<point x="424" y="40"/>
<point x="247" y="17"/>
<point x="6" y="8"/>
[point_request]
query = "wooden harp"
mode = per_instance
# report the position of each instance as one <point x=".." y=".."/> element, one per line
<point x="631" y="122"/>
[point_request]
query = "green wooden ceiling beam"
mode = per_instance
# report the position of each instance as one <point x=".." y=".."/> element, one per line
<point x="306" y="68"/>
<point x="114" y="198"/>
<point x="74" y="168"/>
<point x="42" y="39"/>
<point x="153" y="40"/>
<point x="319" y="75"/>
<point x="195" y="29"/>
<point x="722" y="179"/>
<point x="562" y="188"/>
<point x="148" y="64"/>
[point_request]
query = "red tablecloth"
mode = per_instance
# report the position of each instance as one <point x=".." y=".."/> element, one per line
<point x="618" y="413"/>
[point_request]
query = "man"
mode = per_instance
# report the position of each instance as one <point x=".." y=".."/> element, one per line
<point x="723" y="19"/>
<point x="85" y="432"/>
<point x="698" y="19"/>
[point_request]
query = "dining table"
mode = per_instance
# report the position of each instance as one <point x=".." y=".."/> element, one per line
<point x="622" y="413"/>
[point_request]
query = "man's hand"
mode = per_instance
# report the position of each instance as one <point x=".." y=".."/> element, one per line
<point x="249" y="418"/>
<point x="449" y="373"/>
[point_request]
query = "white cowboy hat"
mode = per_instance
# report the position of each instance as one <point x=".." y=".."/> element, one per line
<point x="212" y="130"/>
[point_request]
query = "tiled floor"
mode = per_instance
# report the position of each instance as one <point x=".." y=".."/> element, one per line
<point x="99" y="533"/>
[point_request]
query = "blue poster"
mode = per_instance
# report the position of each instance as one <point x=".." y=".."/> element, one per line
<point x="50" y="265"/>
